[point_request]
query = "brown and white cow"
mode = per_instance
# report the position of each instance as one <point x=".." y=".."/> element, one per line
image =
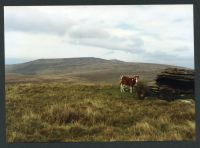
<point x="128" y="81"/>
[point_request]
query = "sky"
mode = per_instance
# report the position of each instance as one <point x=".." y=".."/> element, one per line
<point x="133" y="33"/>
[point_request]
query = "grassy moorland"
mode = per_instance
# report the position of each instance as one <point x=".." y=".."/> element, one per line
<point x="59" y="112"/>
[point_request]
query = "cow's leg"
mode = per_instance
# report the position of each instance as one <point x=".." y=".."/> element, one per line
<point x="121" y="88"/>
<point x="131" y="89"/>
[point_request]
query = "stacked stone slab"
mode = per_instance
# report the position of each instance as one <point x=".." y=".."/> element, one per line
<point x="154" y="88"/>
<point x="176" y="78"/>
<point x="176" y="82"/>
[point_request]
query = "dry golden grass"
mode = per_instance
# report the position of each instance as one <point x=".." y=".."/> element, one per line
<point x="58" y="112"/>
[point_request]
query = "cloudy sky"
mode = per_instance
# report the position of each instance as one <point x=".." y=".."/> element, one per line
<point x="151" y="34"/>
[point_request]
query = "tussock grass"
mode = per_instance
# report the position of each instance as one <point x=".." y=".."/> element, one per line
<point x="58" y="112"/>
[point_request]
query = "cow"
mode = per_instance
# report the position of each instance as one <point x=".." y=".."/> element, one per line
<point x="128" y="81"/>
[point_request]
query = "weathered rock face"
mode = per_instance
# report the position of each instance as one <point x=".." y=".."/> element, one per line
<point x="154" y="88"/>
<point x="176" y="78"/>
<point x="173" y="83"/>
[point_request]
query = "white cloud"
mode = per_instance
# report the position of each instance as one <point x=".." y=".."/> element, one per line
<point x="139" y="33"/>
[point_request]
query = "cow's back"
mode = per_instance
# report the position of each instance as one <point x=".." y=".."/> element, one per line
<point x="126" y="81"/>
<point x="129" y="81"/>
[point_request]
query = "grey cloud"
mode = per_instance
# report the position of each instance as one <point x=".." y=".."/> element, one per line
<point x="182" y="49"/>
<point x="152" y="34"/>
<point x="131" y="46"/>
<point x="179" y="38"/>
<point x="101" y="38"/>
<point x="110" y="52"/>
<point x="88" y="33"/>
<point x="36" y="22"/>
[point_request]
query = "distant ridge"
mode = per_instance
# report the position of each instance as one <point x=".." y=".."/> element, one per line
<point x="86" y="67"/>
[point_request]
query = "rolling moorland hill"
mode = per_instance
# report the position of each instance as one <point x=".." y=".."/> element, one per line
<point x="86" y="69"/>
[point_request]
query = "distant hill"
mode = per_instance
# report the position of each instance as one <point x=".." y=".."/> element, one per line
<point x="91" y="69"/>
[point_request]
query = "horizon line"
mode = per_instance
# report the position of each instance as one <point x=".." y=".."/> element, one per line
<point x="31" y="60"/>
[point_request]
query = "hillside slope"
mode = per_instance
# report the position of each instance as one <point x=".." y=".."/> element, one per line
<point x="92" y="69"/>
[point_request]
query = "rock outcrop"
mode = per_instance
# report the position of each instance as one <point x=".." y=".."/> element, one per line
<point x="176" y="78"/>
<point x="174" y="83"/>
